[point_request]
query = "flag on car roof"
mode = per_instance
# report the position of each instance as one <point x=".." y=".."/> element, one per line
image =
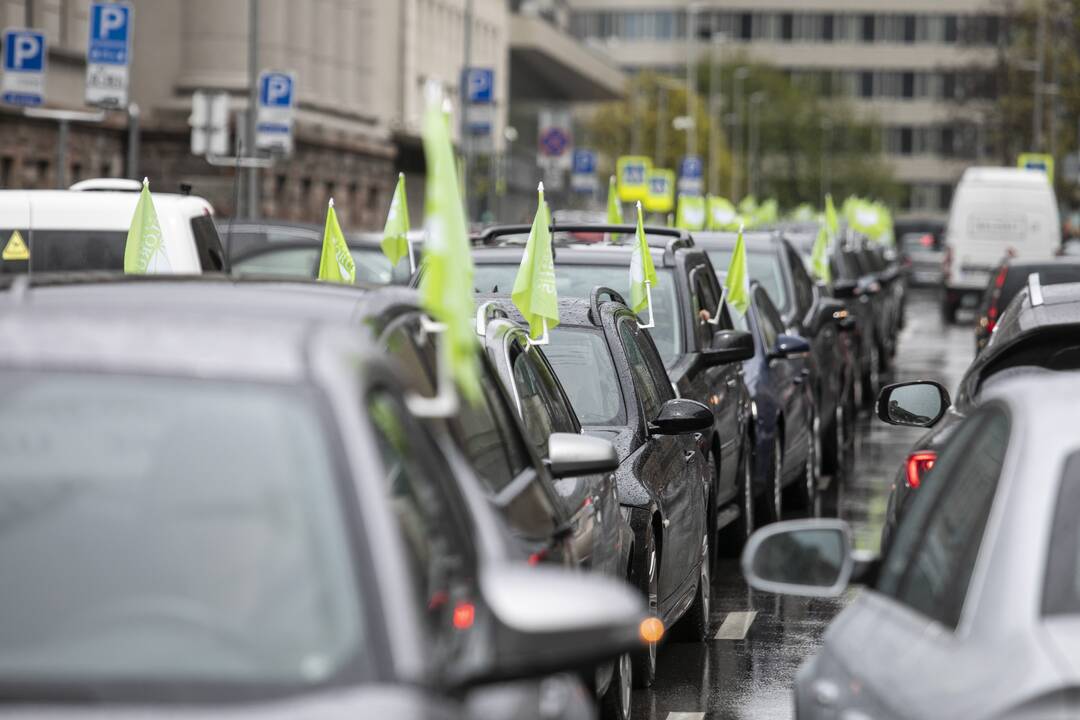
<point x="737" y="281"/>
<point x="690" y="213"/>
<point x="614" y="207"/>
<point x="144" y="250"/>
<point x="722" y="214"/>
<point x="395" y="239"/>
<point x="819" y="256"/>
<point x="832" y="223"/>
<point x="642" y="271"/>
<point x="534" y="291"/>
<point x="446" y="288"/>
<point x="336" y="263"/>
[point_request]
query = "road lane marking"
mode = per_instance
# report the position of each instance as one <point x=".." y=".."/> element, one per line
<point x="736" y="625"/>
<point x="686" y="716"/>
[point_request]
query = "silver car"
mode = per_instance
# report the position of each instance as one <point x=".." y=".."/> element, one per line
<point x="975" y="612"/>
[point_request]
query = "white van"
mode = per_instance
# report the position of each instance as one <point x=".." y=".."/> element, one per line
<point x="996" y="213"/>
<point x="85" y="228"/>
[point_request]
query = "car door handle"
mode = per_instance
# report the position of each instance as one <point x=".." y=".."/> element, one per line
<point x="689" y="455"/>
<point x="731" y="382"/>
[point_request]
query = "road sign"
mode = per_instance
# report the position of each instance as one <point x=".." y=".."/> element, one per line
<point x="479" y="86"/>
<point x="1037" y="161"/>
<point x="24" y="67"/>
<point x="556" y="141"/>
<point x="660" y="191"/>
<point x="274" y="122"/>
<point x="583" y="172"/>
<point x="209" y="123"/>
<point x="631" y="171"/>
<point x="691" y="172"/>
<point x="108" y="54"/>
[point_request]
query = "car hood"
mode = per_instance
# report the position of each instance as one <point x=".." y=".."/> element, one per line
<point x="371" y="701"/>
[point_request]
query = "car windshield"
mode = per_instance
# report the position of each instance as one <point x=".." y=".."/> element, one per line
<point x="583" y="363"/>
<point x="168" y="532"/>
<point x="579" y="280"/>
<point x="764" y="267"/>
<point x="372" y="265"/>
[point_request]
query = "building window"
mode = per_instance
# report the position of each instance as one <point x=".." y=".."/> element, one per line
<point x="867" y="35"/>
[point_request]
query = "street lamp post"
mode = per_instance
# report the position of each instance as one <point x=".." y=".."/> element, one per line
<point x="253" y="102"/>
<point x="715" y="110"/>
<point x="754" y="150"/>
<point x="692" y="11"/>
<point x="736" y="135"/>
<point x="826" y="180"/>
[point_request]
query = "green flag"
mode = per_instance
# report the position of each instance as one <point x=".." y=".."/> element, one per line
<point x="144" y="251"/>
<point x="819" y="257"/>
<point x="832" y="223"/>
<point x="722" y="214"/>
<point x="534" y="287"/>
<point x="336" y="263"/>
<point x="737" y="282"/>
<point x="690" y="213"/>
<point x="446" y="288"/>
<point x="642" y="270"/>
<point x="614" y="207"/>
<point x="395" y="239"/>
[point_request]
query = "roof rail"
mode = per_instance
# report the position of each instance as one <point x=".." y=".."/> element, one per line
<point x="486" y="313"/>
<point x="491" y="235"/>
<point x="1035" y="290"/>
<point x="598" y="293"/>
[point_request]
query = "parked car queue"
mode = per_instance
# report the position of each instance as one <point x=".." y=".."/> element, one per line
<point x="637" y="454"/>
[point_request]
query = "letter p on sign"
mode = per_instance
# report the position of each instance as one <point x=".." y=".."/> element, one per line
<point x="27" y="49"/>
<point x="112" y="20"/>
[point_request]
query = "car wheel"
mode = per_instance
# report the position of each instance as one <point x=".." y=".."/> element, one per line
<point x="616" y="703"/>
<point x="771" y="506"/>
<point x="694" y="625"/>
<point x="734" y="535"/>
<point x="871" y="378"/>
<point x="806" y="492"/>
<point x="644" y="661"/>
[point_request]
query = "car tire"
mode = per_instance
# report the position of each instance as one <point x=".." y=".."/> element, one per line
<point x="694" y="625"/>
<point x="771" y="506"/>
<point x="648" y="582"/>
<point x="617" y="701"/>
<point x="734" y="535"/>
<point x="871" y="378"/>
<point x="948" y="312"/>
<point x="806" y="490"/>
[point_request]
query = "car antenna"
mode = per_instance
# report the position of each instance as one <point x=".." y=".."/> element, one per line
<point x="185" y="189"/>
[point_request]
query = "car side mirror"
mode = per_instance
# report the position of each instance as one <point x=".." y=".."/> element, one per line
<point x="679" y="416"/>
<point x="548" y="620"/>
<point x="844" y="289"/>
<point x="570" y="455"/>
<point x="788" y="345"/>
<point x="729" y="346"/>
<point x="918" y="404"/>
<point x="829" y="310"/>
<point x="811" y="558"/>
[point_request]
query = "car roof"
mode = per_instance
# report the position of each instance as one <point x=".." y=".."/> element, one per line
<point x="1004" y="176"/>
<point x="90" y="210"/>
<point x="1028" y="264"/>
<point x="576" y="254"/>
<point x="573" y="312"/>
<point x="754" y="239"/>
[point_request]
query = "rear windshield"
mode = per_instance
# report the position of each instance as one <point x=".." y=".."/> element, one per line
<point x="583" y="363"/>
<point x="579" y="281"/>
<point x="68" y="250"/>
<point x="1061" y="595"/>
<point x="182" y="533"/>
<point x="303" y="263"/>
<point x="764" y="267"/>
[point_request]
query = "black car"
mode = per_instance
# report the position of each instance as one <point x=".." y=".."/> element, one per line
<point x="702" y="359"/>
<point x="603" y="539"/>
<point x="1038" y="333"/>
<point x="1008" y="279"/>
<point x="775" y="263"/>
<point x="237" y="512"/>
<point x="291" y="250"/>
<point x="861" y="291"/>
<point x="616" y="381"/>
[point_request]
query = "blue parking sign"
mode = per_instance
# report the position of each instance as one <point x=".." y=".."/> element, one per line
<point x="24" y="67"/>
<point x="480" y="85"/>
<point x="276" y="89"/>
<point x="584" y="162"/>
<point x="110" y="33"/>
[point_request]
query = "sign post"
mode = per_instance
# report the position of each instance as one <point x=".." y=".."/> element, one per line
<point x="24" y="67"/>
<point x="274" y="121"/>
<point x="108" y="54"/>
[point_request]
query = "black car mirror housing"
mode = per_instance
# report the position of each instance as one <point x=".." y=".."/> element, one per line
<point x="788" y="345"/>
<point x="679" y="416"/>
<point x="729" y="346"/>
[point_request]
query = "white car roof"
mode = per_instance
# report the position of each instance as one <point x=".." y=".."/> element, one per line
<point x="1004" y="175"/>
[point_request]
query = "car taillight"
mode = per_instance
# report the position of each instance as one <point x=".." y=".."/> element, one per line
<point x="946" y="263"/>
<point x="995" y="296"/>
<point x="918" y="464"/>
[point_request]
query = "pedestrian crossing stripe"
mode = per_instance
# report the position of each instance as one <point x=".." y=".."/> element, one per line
<point x="16" y="248"/>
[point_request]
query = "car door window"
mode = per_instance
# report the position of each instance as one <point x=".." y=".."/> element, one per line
<point x="804" y="286"/>
<point x="646" y="389"/>
<point x="769" y="319"/>
<point x="931" y="562"/>
<point x="705" y="301"/>
<point x="435" y="534"/>
<point x="544" y="410"/>
<point x="207" y="244"/>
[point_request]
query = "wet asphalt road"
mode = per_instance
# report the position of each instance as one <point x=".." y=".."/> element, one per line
<point x="748" y="674"/>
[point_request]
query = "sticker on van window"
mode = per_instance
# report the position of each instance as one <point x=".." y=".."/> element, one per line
<point x="15" y="249"/>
